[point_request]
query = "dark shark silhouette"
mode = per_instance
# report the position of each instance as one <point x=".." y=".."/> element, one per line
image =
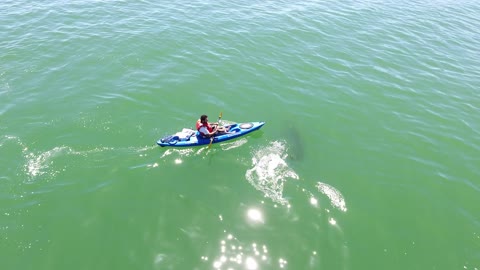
<point x="295" y="143"/>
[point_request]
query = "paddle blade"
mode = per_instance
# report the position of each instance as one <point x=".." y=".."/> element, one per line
<point x="220" y="118"/>
<point x="210" y="144"/>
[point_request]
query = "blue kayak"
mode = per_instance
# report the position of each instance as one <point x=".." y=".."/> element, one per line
<point x="189" y="137"/>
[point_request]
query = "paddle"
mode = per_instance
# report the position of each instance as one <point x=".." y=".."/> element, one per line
<point x="211" y="139"/>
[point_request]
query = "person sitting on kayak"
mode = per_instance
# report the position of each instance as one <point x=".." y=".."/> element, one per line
<point x="206" y="129"/>
<point x="209" y="130"/>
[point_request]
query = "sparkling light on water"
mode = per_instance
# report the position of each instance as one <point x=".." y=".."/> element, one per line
<point x="255" y="215"/>
<point x="251" y="264"/>
<point x="282" y="262"/>
<point x="313" y="201"/>
<point x="332" y="221"/>
<point x="234" y="255"/>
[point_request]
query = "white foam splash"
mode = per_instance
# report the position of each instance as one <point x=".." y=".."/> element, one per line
<point x="336" y="198"/>
<point x="38" y="164"/>
<point x="270" y="171"/>
<point x="181" y="152"/>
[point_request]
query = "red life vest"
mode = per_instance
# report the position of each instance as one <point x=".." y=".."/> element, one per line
<point x="199" y="125"/>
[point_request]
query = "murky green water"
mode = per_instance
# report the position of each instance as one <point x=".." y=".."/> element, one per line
<point x="369" y="158"/>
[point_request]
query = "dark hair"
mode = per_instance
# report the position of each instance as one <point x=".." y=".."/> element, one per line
<point x="203" y="118"/>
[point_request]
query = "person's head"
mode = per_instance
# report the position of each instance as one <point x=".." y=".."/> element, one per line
<point x="203" y="118"/>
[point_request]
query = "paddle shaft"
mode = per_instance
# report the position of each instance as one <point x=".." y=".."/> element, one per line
<point x="211" y="139"/>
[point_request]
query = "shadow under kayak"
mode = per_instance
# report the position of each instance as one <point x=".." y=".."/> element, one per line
<point x="188" y="137"/>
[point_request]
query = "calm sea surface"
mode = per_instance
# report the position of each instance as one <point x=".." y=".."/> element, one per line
<point x="369" y="159"/>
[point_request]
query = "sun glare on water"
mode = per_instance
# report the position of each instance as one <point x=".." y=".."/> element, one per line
<point x="255" y="215"/>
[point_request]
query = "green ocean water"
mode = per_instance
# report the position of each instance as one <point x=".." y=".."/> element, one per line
<point x="369" y="158"/>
